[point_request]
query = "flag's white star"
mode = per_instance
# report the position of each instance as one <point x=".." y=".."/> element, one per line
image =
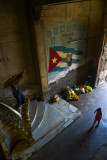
<point x="54" y="60"/>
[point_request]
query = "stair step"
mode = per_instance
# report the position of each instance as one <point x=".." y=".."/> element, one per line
<point x="39" y="115"/>
<point x="33" y="110"/>
<point x="51" y="120"/>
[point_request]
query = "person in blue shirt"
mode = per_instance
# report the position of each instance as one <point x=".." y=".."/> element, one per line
<point x="20" y="98"/>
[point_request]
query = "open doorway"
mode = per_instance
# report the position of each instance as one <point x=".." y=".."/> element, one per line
<point x="102" y="67"/>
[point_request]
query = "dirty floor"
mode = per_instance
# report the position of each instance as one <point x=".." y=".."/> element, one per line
<point x="75" y="143"/>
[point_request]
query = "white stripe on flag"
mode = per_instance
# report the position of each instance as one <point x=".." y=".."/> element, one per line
<point x="76" y="56"/>
<point x="62" y="64"/>
<point x="64" y="55"/>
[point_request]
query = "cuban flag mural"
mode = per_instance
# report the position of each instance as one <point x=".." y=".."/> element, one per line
<point x="65" y="44"/>
<point x="61" y="58"/>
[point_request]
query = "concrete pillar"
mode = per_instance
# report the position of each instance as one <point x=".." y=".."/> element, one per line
<point x="40" y="43"/>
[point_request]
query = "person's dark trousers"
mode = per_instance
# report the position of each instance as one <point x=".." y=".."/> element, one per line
<point x="20" y="100"/>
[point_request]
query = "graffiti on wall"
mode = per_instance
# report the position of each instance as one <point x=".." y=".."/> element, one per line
<point x="65" y="47"/>
<point x="4" y="59"/>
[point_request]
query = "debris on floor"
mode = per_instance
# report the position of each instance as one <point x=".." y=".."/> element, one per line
<point x="72" y="93"/>
<point x="55" y="98"/>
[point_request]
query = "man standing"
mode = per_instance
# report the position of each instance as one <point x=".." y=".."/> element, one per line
<point x="17" y="94"/>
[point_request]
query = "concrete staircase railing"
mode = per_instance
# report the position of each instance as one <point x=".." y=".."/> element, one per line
<point x="11" y="109"/>
<point x="10" y="115"/>
<point x="12" y="129"/>
<point x="9" y="136"/>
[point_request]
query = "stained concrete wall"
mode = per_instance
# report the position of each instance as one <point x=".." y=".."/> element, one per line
<point x="89" y="12"/>
<point x="16" y="50"/>
<point x="61" y="31"/>
<point x="105" y="15"/>
<point x="95" y="26"/>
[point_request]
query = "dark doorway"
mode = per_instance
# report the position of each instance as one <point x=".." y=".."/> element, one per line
<point x="102" y="68"/>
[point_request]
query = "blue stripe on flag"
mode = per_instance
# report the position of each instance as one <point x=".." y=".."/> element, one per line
<point x="73" y="60"/>
<point x="60" y="69"/>
<point x="63" y="59"/>
<point x="67" y="50"/>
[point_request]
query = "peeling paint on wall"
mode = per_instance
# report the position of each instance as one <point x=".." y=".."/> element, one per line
<point x="66" y="40"/>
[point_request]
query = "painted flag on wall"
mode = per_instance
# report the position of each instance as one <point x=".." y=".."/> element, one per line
<point x="54" y="59"/>
<point x="61" y="58"/>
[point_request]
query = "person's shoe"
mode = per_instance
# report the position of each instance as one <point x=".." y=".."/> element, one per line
<point x="96" y="125"/>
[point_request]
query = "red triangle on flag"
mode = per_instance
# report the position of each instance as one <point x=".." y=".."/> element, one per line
<point x="54" y="59"/>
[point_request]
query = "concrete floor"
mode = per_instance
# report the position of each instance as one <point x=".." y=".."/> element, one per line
<point x="75" y="143"/>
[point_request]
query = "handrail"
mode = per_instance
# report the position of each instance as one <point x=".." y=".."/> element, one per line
<point x="12" y="109"/>
<point x="34" y="116"/>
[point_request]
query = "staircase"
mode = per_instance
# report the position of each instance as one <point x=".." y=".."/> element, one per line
<point x="47" y="120"/>
<point x="13" y="136"/>
<point x="37" y="113"/>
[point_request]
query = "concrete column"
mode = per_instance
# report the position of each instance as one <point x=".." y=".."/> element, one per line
<point x="40" y="43"/>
